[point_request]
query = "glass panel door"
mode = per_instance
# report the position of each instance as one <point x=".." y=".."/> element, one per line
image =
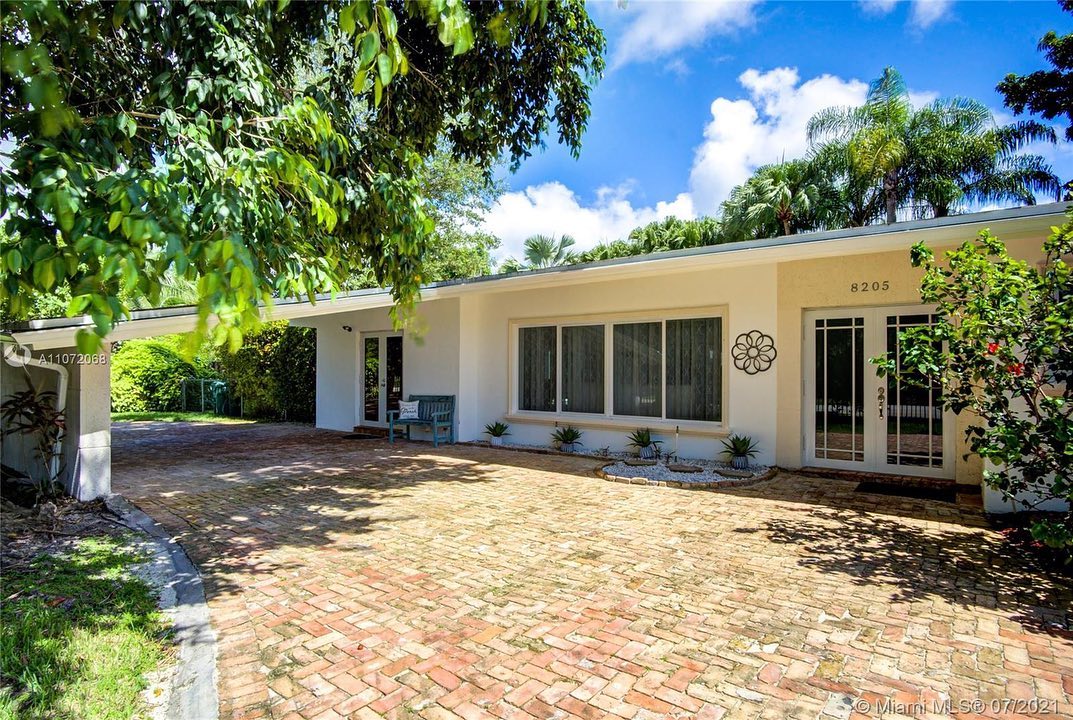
<point x="371" y="381"/>
<point x="839" y="431"/>
<point x="381" y="377"/>
<point x="914" y="415"/>
<point x="392" y="374"/>
<point x="855" y="419"/>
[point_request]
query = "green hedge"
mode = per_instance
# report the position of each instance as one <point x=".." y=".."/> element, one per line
<point x="274" y="372"/>
<point x="147" y="376"/>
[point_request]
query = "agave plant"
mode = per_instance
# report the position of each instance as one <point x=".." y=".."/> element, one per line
<point x="739" y="448"/>
<point x="568" y="438"/>
<point x="496" y="431"/>
<point x="647" y="446"/>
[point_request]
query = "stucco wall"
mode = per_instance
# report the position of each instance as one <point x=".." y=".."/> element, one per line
<point x="827" y="283"/>
<point x="430" y="358"/>
<point x="747" y="292"/>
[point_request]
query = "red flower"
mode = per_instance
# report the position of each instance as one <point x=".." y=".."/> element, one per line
<point x="992" y="348"/>
<point x="1017" y="369"/>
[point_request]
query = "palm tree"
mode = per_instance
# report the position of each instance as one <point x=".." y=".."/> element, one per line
<point x="959" y="155"/>
<point x="544" y="251"/>
<point x="933" y="158"/>
<point x="778" y="199"/>
<point x="873" y="135"/>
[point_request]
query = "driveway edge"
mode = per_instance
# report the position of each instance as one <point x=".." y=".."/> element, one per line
<point x="193" y="692"/>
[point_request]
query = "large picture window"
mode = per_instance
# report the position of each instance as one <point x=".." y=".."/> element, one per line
<point x="536" y="381"/>
<point x="694" y="375"/>
<point x="664" y="369"/>
<point x="638" y="367"/>
<point x="583" y="369"/>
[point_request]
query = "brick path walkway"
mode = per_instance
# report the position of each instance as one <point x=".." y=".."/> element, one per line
<point x="352" y="578"/>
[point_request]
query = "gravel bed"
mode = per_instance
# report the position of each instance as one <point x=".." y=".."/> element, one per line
<point x="710" y="472"/>
<point x="660" y="473"/>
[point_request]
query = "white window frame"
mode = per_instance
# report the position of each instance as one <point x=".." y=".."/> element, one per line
<point x="608" y="418"/>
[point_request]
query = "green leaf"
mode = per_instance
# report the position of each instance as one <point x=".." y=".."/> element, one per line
<point x="346" y="20"/>
<point x="383" y="67"/>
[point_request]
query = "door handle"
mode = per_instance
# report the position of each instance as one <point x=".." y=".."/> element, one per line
<point x="881" y="401"/>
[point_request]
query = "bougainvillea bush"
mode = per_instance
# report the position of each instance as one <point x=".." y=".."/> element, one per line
<point x="1004" y="354"/>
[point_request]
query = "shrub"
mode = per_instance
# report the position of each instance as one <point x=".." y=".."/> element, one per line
<point x="147" y="376"/>
<point x="274" y="372"/>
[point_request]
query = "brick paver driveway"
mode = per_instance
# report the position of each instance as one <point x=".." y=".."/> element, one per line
<point x="351" y="578"/>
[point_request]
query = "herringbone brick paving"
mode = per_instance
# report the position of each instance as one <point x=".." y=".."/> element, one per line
<point x="359" y="579"/>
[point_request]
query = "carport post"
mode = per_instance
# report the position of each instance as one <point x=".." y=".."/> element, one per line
<point x="88" y="441"/>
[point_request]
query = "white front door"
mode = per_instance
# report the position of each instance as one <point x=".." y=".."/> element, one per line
<point x="856" y="420"/>
<point x="381" y="377"/>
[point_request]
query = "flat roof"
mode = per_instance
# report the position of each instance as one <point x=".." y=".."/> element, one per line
<point x="378" y="297"/>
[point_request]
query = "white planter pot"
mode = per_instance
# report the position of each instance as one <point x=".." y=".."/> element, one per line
<point x="495" y="441"/>
<point x="568" y="447"/>
<point x="647" y="453"/>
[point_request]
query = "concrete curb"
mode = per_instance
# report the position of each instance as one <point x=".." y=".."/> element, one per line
<point x="708" y="485"/>
<point x="193" y="685"/>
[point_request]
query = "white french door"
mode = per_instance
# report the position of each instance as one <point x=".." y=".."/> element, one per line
<point x="856" y="420"/>
<point x="381" y="377"/>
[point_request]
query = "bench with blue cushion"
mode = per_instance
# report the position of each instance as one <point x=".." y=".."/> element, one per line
<point x="436" y="412"/>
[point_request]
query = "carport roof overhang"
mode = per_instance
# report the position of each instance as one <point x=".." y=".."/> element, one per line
<point x="60" y="332"/>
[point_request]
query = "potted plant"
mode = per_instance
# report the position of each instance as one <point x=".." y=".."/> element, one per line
<point x="568" y="438"/>
<point x="739" y="448"/>
<point x="496" y="431"/>
<point x="647" y="447"/>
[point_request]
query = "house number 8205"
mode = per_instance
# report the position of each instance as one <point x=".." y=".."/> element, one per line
<point x="873" y="286"/>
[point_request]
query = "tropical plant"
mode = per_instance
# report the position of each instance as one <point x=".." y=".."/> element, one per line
<point x="739" y="447"/>
<point x="658" y="236"/>
<point x="958" y="155"/>
<point x="1047" y="93"/>
<point x="147" y="375"/>
<point x="873" y="135"/>
<point x="497" y="429"/>
<point x="777" y="200"/>
<point x="567" y="437"/>
<point x="934" y="158"/>
<point x="262" y="150"/>
<point x="1002" y="351"/>
<point x="646" y="445"/>
<point x="33" y="412"/>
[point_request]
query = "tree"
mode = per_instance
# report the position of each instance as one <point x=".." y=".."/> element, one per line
<point x="542" y="251"/>
<point x="262" y="150"/>
<point x="933" y="158"/>
<point x="777" y="200"/>
<point x="671" y="233"/>
<point x="956" y="154"/>
<point x="458" y="193"/>
<point x="874" y="134"/>
<point x="1003" y="352"/>
<point x="1048" y="93"/>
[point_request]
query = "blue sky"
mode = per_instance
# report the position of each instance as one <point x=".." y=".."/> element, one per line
<point x="698" y="94"/>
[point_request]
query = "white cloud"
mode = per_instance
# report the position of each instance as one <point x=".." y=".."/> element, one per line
<point x="657" y="29"/>
<point x="926" y="13"/>
<point x="554" y="209"/>
<point x="922" y="14"/>
<point x="765" y="128"/>
<point x="877" y="7"/>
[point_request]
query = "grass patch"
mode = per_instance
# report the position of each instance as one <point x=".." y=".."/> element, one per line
<point x="78" y="633"/>
<point x="176" y="417"/>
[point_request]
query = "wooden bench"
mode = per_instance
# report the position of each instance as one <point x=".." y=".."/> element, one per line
<point x="436" y="412"/>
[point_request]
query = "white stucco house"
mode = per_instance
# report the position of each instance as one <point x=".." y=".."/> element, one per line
<point x="768" y="338"/>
